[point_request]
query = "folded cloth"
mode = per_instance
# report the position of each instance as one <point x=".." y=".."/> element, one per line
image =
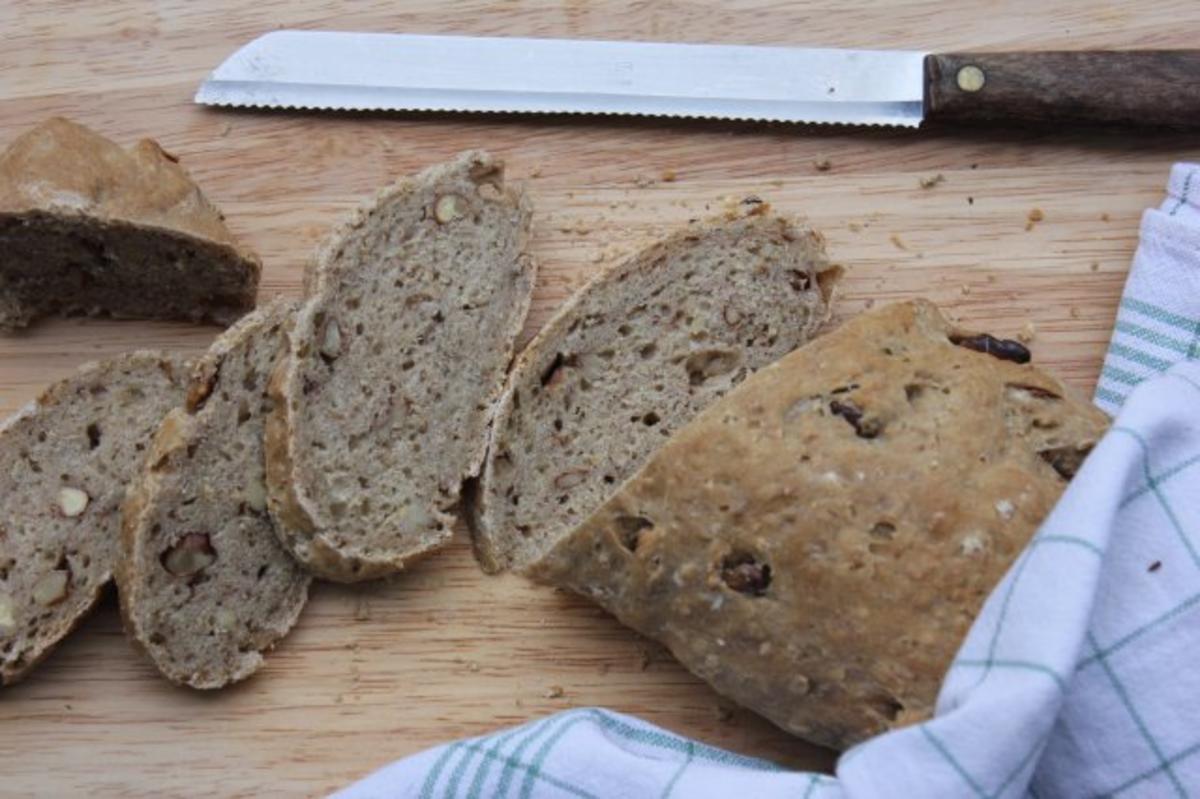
<point x="1158" y="322"/>
<point x="1080" y="677"/>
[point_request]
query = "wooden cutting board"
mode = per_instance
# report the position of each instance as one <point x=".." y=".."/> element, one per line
<point x="375" y="672"/>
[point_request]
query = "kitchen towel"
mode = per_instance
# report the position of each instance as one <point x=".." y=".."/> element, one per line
<point x="1081" y="676"/>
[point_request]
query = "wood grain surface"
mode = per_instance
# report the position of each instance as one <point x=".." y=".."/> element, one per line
<point x="376" y="672"/>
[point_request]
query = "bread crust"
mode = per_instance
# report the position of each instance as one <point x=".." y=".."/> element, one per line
<point x="816" y="544"/>
<point x="86" y="206"/>
<point x="777" y="298"/>
<point x="177" y="493"/>
<point x="45" y="448"/>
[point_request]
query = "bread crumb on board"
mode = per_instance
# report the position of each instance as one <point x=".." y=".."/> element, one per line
<point x="897" y="241"/>
<point x="362" y="610"/>
<point x="554" y="692"/>
<point x="822" y="164"/>
<point x="668" y="176"/>
<point x="1104" y="217"/>
<point x="1034" y="216"/>
<point x="1095" y="267"/>
<point x="932" y="180"/>
<point x="1027" y="333"/>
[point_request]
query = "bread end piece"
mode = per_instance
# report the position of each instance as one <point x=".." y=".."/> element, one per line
<point x="816" y="544"/>
<point x="87" y="227"/>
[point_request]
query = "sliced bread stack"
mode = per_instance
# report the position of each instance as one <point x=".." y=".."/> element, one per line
<point x="395" y="363"/>
<point x="633" y="357"/>
<point x="205" y="586"/>
<point x="65" y="461"/>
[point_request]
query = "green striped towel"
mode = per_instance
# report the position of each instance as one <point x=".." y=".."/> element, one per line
<point x="1158" y="322"/>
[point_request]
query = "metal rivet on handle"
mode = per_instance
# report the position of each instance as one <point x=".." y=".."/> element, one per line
<point x="970" y="78"/>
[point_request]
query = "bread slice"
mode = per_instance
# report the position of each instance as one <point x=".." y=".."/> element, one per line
<point x="396" y="361"/>
<point x="65" y="459"/>
<point x="816" y="544"/>
<point x="630" y="359"/>
<point x="89" y="228"/>
<point x="205" y="586"/>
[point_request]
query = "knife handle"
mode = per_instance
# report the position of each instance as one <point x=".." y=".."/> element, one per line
<point x="1145" y="88"/>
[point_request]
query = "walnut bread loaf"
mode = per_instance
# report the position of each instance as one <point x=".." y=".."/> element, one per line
<point x="205" y="586"/>
<point x="89" y="228"/>
<point x="631" y="358"/>
<point x="65" y="460"/>
<point x="816" y="544"/>
<point x="395" y="363"/>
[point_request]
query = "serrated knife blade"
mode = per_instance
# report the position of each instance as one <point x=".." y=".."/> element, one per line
<point x="403" y="72"/>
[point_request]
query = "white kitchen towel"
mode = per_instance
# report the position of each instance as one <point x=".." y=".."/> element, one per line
<point x="1080" y="678"/>
<point x="1158" y="322"/>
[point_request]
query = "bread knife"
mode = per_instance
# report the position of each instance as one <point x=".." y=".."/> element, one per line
<point x="400" y="72"/>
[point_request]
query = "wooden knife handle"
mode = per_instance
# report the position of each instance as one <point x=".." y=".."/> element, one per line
<point x="1146" y="88"/>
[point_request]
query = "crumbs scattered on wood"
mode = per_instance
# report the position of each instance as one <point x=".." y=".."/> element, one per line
<point x="1027" y="333"/>
<point x="226" y="129"/>
<point x="1095" y="267"/>
<point x="822" y="164"/>
<point x="667" y="176"/>
<point x="554" y="692"/>
<point x="932" y="180"/>
<point x="897" y="242"/>
<point x="641" y="181"/>
<point x="854" y="227"/>
<point x="1104" y="217"/>
<point x="362" y="610"/>
<point x="1034" y="216"/>
<point x="1075" y="312"/>
<point x="473" y="666"/>
<point x="965" y="289"/>
<point x="536" y="172"/>
<point x="1155" y="566"/>
<point x="970" y="201"/>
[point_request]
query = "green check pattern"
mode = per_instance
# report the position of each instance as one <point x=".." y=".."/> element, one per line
<point x="1158" y="320"/>
<point x="1079" y="678"/>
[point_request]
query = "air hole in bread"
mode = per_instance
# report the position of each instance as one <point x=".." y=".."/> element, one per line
<point x="629" y="530"/>
<point x="886" y="705"/>
<point x="648" y="350"/>
<point x="744" y="573"/>
<point x="1065" y="460"/>
<point x="864" y="426"/>
<point x="706" y="364"/>
<point x="1022" y="392"/>
<point x="553" y="373"/>
<point x="883" y="529"/>
<point x="651" y="419"/>
<point x="93" y="435"/>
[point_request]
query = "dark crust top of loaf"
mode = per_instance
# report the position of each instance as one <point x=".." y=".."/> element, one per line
<point x="86" y="433"/>
<point x="633" y="356"/>
<point x="378" y="421"/>
<point x="816" y="544"/>
<point x="203" y="483"/>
